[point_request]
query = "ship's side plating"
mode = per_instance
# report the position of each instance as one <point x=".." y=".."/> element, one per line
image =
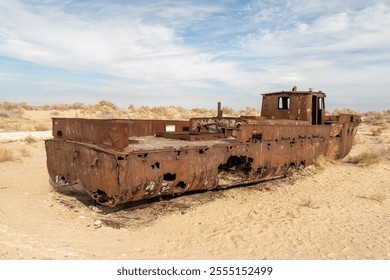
<point x="117" y="161"/>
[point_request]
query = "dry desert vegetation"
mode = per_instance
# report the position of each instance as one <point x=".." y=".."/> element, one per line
<point x="330" y="210"/>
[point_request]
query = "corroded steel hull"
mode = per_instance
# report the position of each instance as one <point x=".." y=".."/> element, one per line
<point x="118" y="161"/>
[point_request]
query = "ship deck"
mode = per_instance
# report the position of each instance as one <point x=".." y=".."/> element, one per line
<point x="151" y="143"/>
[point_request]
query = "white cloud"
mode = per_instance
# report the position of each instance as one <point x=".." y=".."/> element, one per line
<point x="177" y="48"/>
<point x="332" y="23"/>
<point x="124" y="47"/>
<point x="333" y="48"/>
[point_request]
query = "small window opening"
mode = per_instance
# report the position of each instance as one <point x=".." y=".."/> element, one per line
<point x="284" y="103"/>
<point x="321" y="103"/>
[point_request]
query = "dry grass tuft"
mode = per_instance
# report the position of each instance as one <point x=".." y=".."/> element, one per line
<point x="78" y="106"/>
<point x="9" y="106"/>
<point x="373" y="118"/>
<point x="250" y="111"/>
<point x="339" y="111"/>
<point x="41" y="127"/>
<point x="376" y="131"/>
<point x="6" y="155"/>
<point x="29" y="139"/>
<point x="365" y="159"/>
<point x="4" y="115"/>
<point x="320" y="163"/>
<point x="112" y="224"/>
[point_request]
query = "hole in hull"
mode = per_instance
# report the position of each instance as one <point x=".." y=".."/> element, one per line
<point x="169" y="177"/>
<point x="102" y="198"/>
<point x="235" y="170"/>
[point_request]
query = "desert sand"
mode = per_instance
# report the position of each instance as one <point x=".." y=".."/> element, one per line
<point x="331" y="210"/>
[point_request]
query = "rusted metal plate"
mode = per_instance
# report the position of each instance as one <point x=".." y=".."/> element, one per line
<point x="112" y="133"/>
<point x="151" y="127"/>
<point x="117" y="161"/>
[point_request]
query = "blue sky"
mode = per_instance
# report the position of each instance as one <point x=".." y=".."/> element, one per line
<point x="194" y="53"/>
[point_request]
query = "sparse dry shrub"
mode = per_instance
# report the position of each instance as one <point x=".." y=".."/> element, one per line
<point x="144" y="112"/>
<point x="6" y="155"/>
<point x="131" y="108"/>
<point x="25" y="106"/>
<point x="45" y="107"/>
<point x="376" y="131"/>
<point x="164" y="112"/>
<point x="373" y="118"/>
<point x="8" y="106"/>
<point x="55" y="113"/>
<point x="339" y="111"/>
<point x="160" y="111"/>
<point x="4" y="115"/>
<point x="250" y="111"/>
<point x="11" y="113"/>
<point x="41" y="127"/>
<point x="29" y="139"/>
<point x="365" y="159"/>
<point x="386" y="116"/>
<point x="320" y="162"/>
<point x="112" y="224"/>
<point x="199" y="110"/>
<point x="57" y="107"/>
<point x="13" y="106"/>
<point x="228" y="111"/>
<point x="78" y="106"/>
<point x="106" y="104"/>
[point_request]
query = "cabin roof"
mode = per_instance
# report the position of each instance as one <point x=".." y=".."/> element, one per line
<point x="295" y="92"/>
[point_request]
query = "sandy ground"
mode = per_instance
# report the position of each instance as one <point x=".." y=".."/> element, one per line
<point x="332" y="210"/>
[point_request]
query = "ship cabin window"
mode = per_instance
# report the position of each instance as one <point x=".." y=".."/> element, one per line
<point x="284" y="103"/>
<point x="321" y="103"/>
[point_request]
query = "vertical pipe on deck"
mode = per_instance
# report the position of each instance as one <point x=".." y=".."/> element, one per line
<point x="220" y="112"/>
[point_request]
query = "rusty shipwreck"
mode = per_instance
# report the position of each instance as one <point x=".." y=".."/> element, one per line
<point x="123" y="160"/>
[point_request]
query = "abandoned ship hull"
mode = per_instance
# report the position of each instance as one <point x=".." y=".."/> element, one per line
<point x="118" y="161"/>
<point x="153" y="166"/>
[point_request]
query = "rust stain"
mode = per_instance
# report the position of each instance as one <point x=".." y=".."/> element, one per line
<point x="118" y="161"/>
